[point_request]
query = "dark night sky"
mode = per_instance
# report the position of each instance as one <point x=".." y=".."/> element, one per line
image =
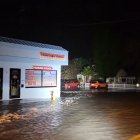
<point x="72" y="24"/>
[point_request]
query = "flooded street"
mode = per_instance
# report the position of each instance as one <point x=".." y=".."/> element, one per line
<point x="76" y="116"/>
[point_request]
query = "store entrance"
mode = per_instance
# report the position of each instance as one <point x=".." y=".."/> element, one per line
<point x="1" y="82"/>
<point x="15" y="83"/>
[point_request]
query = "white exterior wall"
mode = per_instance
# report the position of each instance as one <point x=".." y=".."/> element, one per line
<point x="25" y="57"/>
<point x="26" y="93"/>
<point x="23" y="53"/>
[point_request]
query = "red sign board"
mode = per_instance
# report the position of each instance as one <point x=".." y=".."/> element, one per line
<point x="51" y="56"/>
<point x="43" y="67"/>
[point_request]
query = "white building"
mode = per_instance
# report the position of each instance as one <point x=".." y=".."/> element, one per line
<point x="29" y="69"/>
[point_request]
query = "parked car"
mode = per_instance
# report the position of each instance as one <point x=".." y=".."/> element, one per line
<point x="98" y="84"/>
<point x="63" y="81"/>
<point x="72" y="83"/>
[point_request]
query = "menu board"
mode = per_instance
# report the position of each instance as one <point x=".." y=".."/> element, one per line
<point x="33" y="78"/>
<point x="40" y="78"/>
<point x="49" y="78"/>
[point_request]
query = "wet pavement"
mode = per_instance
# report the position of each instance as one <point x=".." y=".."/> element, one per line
<point x="94" y="115"/>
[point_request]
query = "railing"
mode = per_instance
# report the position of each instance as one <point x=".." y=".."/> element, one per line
<point x="119" y="86"/>
<point x="122" y="86"/>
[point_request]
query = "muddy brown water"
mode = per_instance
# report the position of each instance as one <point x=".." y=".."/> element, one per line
<point x="82" y="116"/>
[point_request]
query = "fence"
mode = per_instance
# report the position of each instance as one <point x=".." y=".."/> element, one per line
<point x="123" y="86"/>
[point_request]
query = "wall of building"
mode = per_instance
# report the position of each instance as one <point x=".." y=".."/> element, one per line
<point x="23" y="53"/>
<point x="26" y="57"/>
<point x="26" y="93"/>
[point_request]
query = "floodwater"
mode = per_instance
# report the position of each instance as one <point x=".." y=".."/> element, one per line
<point x="75" y="116"/>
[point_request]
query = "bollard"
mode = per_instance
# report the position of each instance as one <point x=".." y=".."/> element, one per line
<point x="52" y="96"/>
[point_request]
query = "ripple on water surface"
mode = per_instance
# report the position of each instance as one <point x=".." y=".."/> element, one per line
<point x="92" y="116"/>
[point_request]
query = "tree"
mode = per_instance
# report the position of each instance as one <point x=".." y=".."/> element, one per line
<point x="75" y="67"/>
<point x="89" y="73"/>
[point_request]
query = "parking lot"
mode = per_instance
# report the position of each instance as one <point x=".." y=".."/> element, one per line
<point x="94" y="115"/>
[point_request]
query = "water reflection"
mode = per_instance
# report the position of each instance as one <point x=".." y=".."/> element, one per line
<point x="98" y="115"/>
<point x="70" y="89"/>
<point x="98" y="90"/>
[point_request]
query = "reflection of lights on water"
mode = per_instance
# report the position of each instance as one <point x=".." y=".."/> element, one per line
<point x="98" y="90"/>
<point x="136" y="137"/>
<point x="54" y="108"/>
<point x="89" y="125"/>
<point x="7" y="118"/>
<point x="33" y="109"/>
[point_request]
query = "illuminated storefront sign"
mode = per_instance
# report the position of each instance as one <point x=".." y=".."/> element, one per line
<point x="51" y="56"/>
<point x="43" y="67"/>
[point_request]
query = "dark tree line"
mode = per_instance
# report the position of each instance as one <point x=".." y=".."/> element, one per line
<point x="106" y="54"/>
<point x="113" y="52"/>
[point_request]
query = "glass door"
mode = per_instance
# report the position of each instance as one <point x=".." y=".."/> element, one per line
<point x="1" y="82"/>
<point x="15" y="83"/>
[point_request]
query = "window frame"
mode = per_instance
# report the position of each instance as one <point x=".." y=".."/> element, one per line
<point x="41" y="78"/>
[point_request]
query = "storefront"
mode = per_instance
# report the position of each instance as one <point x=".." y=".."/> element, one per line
<point x="29" y="69"/>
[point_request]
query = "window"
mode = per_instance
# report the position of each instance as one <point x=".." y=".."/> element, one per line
<point x="40" y="78"/>
<point x="49" y="78"/>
